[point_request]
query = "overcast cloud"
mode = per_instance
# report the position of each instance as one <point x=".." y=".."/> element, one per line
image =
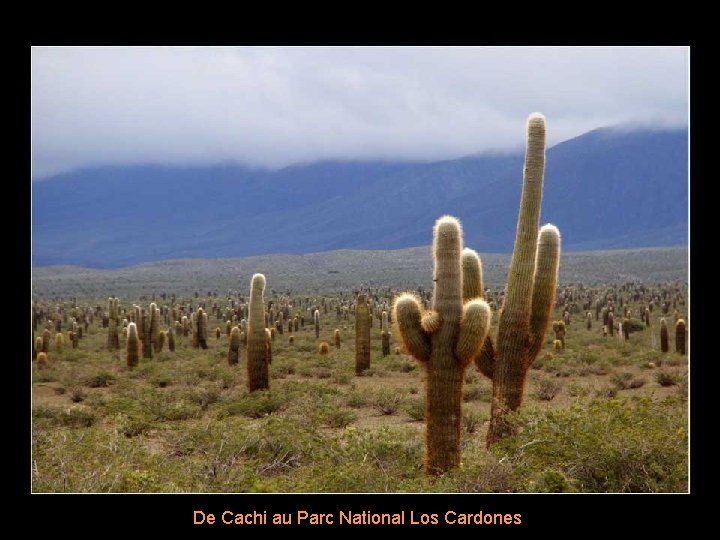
<point x="277" y="106"/>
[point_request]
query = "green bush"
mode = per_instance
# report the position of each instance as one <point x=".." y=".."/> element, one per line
<point x="607" y="446"/>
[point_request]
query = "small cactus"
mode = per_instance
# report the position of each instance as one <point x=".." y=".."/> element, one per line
<point x="337" y="338"/>
<point x="161" y="341"/>
<point x="258" y="340"/>
<point x="362" y="335"/>
<point x="324" y="347"/>
<point x="132" y="346"/>
<point x="234" y="347"/>
<point x="42" y="359"/>
<point x="46" y="341"/>
<point x="171" y="339"/>
<point x="385" y="334"/>
<point x="680" y="336"/>
<point x="291" y="339"/>
<point x="59" y="342"/>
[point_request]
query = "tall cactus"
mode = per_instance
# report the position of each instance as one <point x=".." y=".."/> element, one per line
<point x="444" y="340"/>
<point x="664" y="346"/>
<point x="133" y="346"/>
<point x="171" y="339"/>
<point x="258" y="341"/>
<point x="385" y="334"/>
<point x="362" y="335"/>
<point x="529" y="294"/>
<point x="113" y="342"/>
<point x="316" y="318"/>
<point x="200" y="330"/>
<point x="680" y="336"/>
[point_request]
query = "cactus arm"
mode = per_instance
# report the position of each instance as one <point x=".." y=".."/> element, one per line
<point x="485" y="361"/>
<point x="472" y="275"/>
<point x="515" y="315"/>
<point x="544" y="287"/>
<point x="430" y="321"/>
<point x="474" y="326"/>
<point x="407" y="316"/>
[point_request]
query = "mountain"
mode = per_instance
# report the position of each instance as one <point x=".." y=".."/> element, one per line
<point x="607" y="189"/>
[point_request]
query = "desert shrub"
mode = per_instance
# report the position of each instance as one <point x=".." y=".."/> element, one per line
<point x="338" y="418"/>
<point x="547" y="389"/>
<point x="73" y="417"/>
<point x="416" y="410"/>
<point x="77" y="394"/>
<point x="257" y="404"/>
<point x="472" y="421"/>
<point x="621" y="380"/>
<point x="476" y="393"/>
<point x="623" y="446"/>
<point x="666" y="378"/>
<point x="356" y="399"/>
<point x="387" y="402"/>
<point x="606" y="392"/>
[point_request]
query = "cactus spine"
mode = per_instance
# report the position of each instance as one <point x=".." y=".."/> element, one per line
<point x="444" y="340"/>
<point x="258" y="341"/>
<point x="362" y="335"/>
<point x="530" y="291"/>
<point x="385" y="334"/>
<point x="133" y="352"/>
<point x="680" y="336"/>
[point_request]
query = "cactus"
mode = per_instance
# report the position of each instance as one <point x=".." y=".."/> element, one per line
<point x="362" y="335"/>
<point x="324" y="347"/>
<point x="268" y="345"/>
<point x="529" y="294"/>
<point x="385" y="334"/>
<point x="171" y="339"/>
<point x="611" y="323"/>
<point x="200" y="330"/>
<point x="38" y="347"/>
<point x="132" y="346"/>
<point x="42" y="359"/>
<point x="281" y="322"/>
<point x="444" y="340"/>
<point x="161" y="341"/>
<point x="558" y="346"/>
<point x="74" y="339"/>
<point x="148" y="329"/>
<point x="316" y="318"/>
<point x="258" y="341"/>
<point x="559" y="329"/>
<point x="234" y="350"/>
<point x="46" y="341"/>
<point x="59" y="342"/>
<point x="680" y="336"/>
<point x="291" y="339"/>
<point x="664" y="346"/>
<point x="113" y="342"/>
<point x="337" y="338"/>
<point x="218" y="332"/>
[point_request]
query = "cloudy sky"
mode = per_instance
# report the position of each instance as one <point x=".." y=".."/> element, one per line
<point x="281" y="105"/>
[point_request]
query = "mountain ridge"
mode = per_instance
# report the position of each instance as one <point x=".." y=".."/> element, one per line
<point x="605" y="189"/>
